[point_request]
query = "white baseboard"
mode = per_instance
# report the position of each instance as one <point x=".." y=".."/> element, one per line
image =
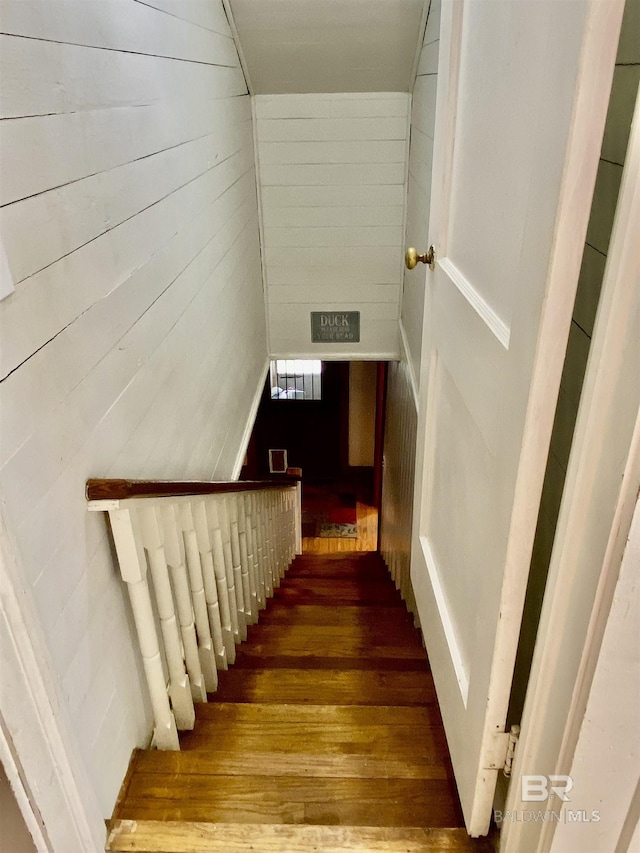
<point x="248" y="429"/>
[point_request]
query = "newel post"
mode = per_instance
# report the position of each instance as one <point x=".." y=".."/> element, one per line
<point x="133" y="568"/>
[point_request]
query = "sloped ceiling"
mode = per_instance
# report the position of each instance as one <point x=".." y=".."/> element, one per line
<point x="298" y="46"/>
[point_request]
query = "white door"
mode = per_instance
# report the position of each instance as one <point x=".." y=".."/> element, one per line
<point x="522" y="96"/>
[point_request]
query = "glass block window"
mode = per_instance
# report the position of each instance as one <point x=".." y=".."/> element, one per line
<point x="296" y="379"/>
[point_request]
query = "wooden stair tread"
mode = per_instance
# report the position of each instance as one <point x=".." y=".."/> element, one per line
<point x="288" y="714"/>
<point x="385" y="618"/>
<point x="311" y="634"/>
<point x="328" y="686"/>
<point x="285" y="799"/>
<point x="365" y="597"/>
<point x="338" y="572"/>
<point x="324" y="735"/>
<point x="273" y="642"/>
<point x="335" y="664"/>
<point x="346" y="583"/>
<point x="282" y="729"/>
<point x="319" y="764"/>
<point x="190" y="837"/>
<point x="328" y="739"/>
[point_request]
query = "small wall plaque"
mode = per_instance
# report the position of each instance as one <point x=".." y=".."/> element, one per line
<point x="335" y="327"/>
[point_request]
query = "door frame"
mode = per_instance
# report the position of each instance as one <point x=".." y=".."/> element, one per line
<point x="599" y="498"/>
<point x="41" y="760"/>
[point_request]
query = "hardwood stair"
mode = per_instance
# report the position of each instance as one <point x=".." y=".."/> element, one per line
<point x="324" y="736"/>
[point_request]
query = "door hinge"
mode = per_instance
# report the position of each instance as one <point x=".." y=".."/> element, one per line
<point x="514" y="735"/>
<point x="503" y="750"/>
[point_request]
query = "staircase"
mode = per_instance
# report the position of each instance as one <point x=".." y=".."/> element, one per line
<point x="324" y="736"/>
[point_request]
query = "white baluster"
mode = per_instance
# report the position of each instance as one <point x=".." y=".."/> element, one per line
<point x="278" y="539"/>
<point x="293" y="523"/>
<point x="133" y="568"/>
<point x="271" y="540"/>
<point x="268" y="542"/>
<point x="298" y="518"/>
<point x="174" y="550"/>
<point x="275" y="537"/>
<point x="223" y="517"/>
<point x="287" y="529"/>
<point x="289" y="534"/>
<point x="226" y="606"/>
<point x="209" y="580"/>
<point x="249" y="533"/>
<point x="234" y="537"/>
<point x="266" y="545"/>
<point x="244" y="558"/>
<point x="179" y="687"/>
<point x="198" y="599"/>
<point x="258" y="551"/>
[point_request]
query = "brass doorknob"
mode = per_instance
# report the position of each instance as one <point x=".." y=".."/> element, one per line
<point x="412" y="258"/>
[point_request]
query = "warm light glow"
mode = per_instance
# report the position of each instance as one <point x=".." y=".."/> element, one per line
<point x="296" y="379"/>
<point x="297" y="366"/>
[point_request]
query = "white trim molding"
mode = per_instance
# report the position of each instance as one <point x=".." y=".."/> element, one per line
<point x="406" y="357"/>
<point x="602" y="483"/>
<point x="248" y="429"/>
<point x="58" y="802"/>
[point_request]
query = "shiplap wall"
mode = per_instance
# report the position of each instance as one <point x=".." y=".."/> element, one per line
<point x="134" y="344"/>
<point x="403" y="378"/>
<point x="398" y="477"/>
<point x="332" y="177"/>
<point x="423" y="110"/>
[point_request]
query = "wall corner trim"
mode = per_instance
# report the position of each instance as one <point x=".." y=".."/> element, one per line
<point x="253" y="411"/>
<point x="406" y="357"/>
<point x="236" y="39"/>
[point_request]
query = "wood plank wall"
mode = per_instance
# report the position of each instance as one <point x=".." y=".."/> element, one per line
<point x="423" y="110"/>
<point x="403" y="378"/>
<point x="134" y="343"/>
<point x="332" y="177"/>
<point x="398" y="478"/>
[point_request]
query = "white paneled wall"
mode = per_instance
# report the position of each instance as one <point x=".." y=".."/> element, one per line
<point x="332" y="174"/>
<point x="134" y="344"/>
<point x="423" y="112"/>
<point x="402" y="389"/>
<point x="397" y="485"/>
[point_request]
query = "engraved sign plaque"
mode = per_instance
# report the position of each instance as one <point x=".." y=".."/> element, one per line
<point x="335" y="327"/>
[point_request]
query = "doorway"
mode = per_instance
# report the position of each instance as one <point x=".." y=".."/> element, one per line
<point x="335" y="439"/>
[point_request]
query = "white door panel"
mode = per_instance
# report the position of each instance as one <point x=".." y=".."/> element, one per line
<point x="508" y="220"/>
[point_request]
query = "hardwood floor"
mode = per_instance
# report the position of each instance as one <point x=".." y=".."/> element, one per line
<point x="325" y="735"/>
<point x="366" y="539"/>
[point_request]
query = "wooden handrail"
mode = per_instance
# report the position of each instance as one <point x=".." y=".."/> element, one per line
<point x="198" y="567"/>
<point x="118" y="490"/>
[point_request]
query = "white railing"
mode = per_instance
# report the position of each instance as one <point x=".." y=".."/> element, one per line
<point x="198" y="568"/>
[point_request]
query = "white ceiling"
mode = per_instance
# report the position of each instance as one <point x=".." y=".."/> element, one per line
<point x="328" y="45"/>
